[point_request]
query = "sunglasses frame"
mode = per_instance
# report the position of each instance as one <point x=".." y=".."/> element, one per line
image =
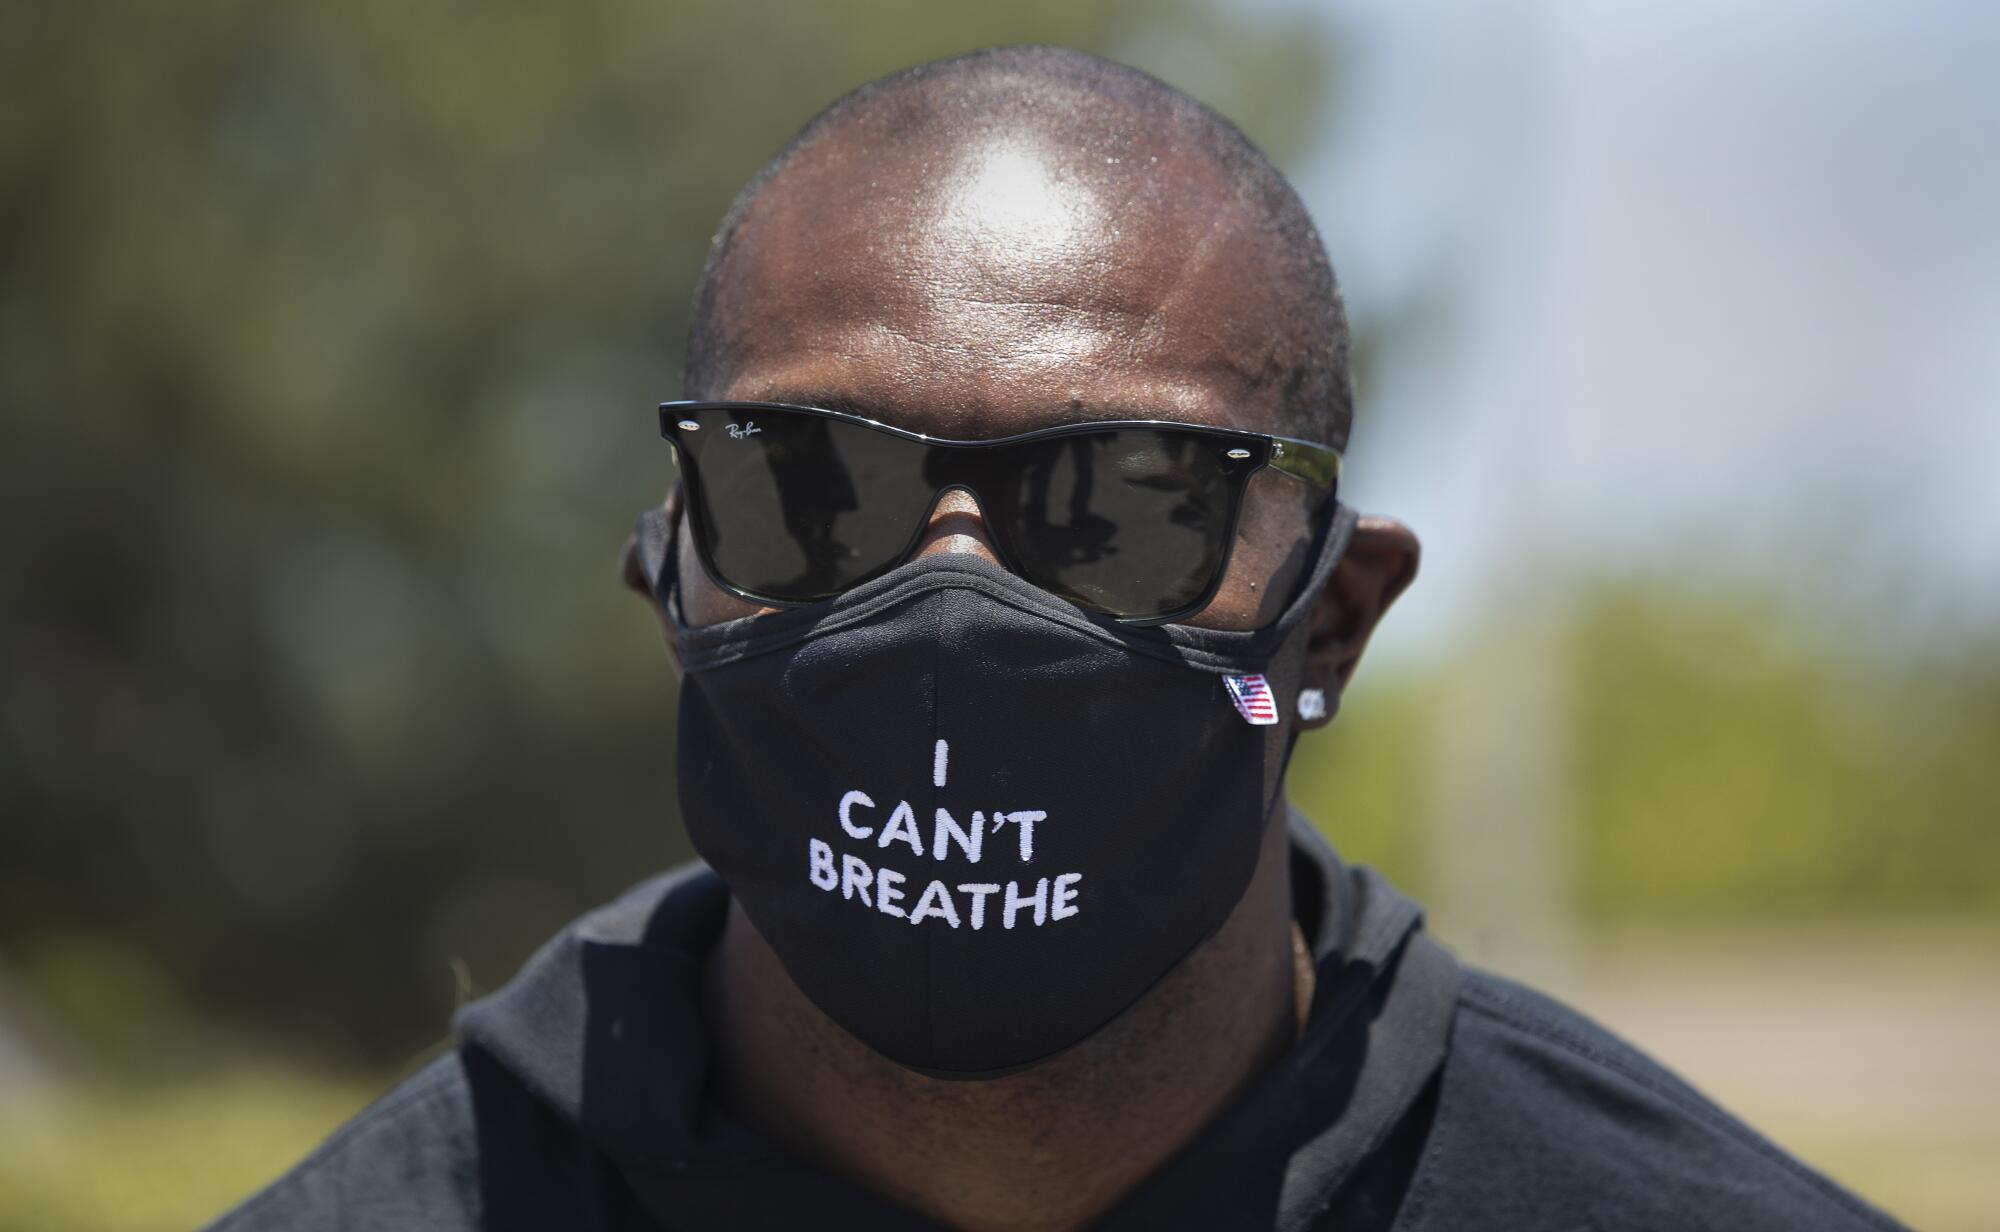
<point x="1307" y="461"/>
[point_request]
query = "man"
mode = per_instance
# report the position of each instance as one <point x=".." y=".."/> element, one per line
<point x="1005" y="568"/>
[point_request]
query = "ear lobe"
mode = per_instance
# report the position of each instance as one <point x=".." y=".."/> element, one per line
<point x="631" y="571"/>
<point x="1379" y="565"/>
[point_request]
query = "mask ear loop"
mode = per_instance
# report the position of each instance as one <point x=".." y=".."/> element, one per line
<point x="1225" y="649"/>
<point x="1335" y="534"/>
<point x="658" y="537"/>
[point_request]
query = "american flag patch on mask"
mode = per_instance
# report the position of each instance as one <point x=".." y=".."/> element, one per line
<point x="1252" y="695"/>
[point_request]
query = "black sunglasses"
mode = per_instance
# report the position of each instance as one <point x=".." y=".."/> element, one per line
<point x="1132" y="518"/>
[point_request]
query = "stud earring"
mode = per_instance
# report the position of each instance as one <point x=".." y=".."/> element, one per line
<point x="1312" y="704"/>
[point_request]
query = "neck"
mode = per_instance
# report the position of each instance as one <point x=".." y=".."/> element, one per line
<point x="1053" y="1147"/>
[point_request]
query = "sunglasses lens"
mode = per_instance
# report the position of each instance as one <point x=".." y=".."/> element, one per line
<point x="1134" y="523"/>
<point x="798" y="507"/>
<point x="795" y="507"/>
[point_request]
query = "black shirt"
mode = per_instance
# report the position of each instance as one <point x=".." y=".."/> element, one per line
<point x="1419" y="1098"/>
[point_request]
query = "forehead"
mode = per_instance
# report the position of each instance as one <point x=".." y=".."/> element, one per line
<point x="978" y="288"/>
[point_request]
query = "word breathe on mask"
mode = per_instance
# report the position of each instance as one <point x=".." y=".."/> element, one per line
<point x="1043" y="901"/>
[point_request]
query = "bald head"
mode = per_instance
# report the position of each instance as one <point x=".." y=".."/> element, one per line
<point x="1032" y="217"/>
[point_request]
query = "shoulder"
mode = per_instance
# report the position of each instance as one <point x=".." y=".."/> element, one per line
<point x="406" y="1161"/>
<point x="460" y="1145"/>
<point x="1545" y="1117"/>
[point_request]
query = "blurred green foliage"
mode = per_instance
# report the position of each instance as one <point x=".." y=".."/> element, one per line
<point x="163" y="1158"/>
<point x="1732" y="760"/>
<point x="1727" y="759"/>
<point x="329" y="340"/>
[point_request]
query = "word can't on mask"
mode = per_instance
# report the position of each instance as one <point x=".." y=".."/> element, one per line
<point x="973" y="822"/>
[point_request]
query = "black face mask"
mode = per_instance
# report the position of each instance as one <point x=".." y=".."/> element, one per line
<point x="974" y="822"/>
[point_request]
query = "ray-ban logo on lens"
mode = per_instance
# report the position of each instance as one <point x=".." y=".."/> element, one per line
<point x="747" y="428"/>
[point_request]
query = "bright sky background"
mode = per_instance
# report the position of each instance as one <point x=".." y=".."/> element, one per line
<point x="1701" y="279"/>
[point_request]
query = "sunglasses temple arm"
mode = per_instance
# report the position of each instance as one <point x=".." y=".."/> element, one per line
<point x="1315" y="464"/>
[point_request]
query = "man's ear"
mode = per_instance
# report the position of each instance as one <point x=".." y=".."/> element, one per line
<point x="632" y="571"/>
<point x="1380" y="563"/>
